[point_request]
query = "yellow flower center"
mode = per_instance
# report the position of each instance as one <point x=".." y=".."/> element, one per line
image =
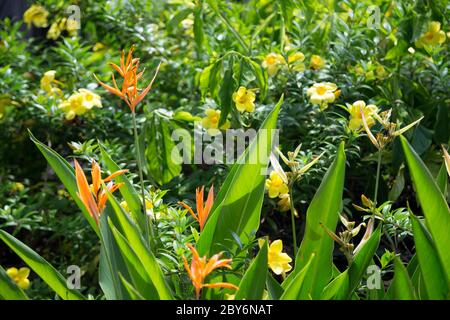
<point x="321" y="90"/>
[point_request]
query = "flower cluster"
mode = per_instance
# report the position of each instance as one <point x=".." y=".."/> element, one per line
<point x="79" y="103"/>
<point x="61" y="25"/>
<point x="355" y="123"/>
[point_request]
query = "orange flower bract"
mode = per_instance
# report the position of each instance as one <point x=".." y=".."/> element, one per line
<point x="128" y="70"/>
<point x="200" y="268"/>
<point x="202" y="211"/>
<point x="93" y="196"/>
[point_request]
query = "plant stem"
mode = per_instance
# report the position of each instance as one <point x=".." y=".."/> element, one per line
<point x="294" y="232"/>
<point x="377" y="181"/>
<point x="148" y="228"/>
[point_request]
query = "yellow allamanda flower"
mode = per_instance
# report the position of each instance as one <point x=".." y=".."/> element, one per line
<point x="19" y="276"/>
<point x="355" y="123"/>
<point x="211" y="122"/>
<point x="433" y="37"/>
<point x="17" y="186"/>
<point x="273" y="62"/>
<point x="275" y="185"/>
<point x="323" y="93"/>
<point x="317" y="62"/>
<point x="79" y="103"/>
<point x="72" y="27"/>
<point x="279" y="260"/>
<point x="296" y="61"/>
<point x="47" y="82"/>
<point x="244" y="99"/>
<point x="36" y="15"/>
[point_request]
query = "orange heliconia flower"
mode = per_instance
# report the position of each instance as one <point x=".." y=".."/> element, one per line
<point x="202" y="211"/>
<point x="200" y="269"/>
<point x="128" y="70"/>
<point x="94" y="196"/>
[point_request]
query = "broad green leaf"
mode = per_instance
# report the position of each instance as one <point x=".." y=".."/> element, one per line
<point x="132" y="292"/>
<point x="9" y="290"/>
<point x="253" y="282"/>
<point x="274" y="289"/>
<point x="338" y="288"/>
<point x="237" y="208"/>
<point x="402" y="288"/>
<point x="433" y="203"/>
<point x="442" y="179"/>
<point x="294" y="289"/>
<point x="41" y="267"/>
<point x="128" y="192"/>
<point x="66" y="174"/>
<point x="226" y="92"/>
<point x="140" y="279"/>
<point x="178" y="18"/>
<point x="362" y="260"/>
<point x="324" y="209"/>
<point x="131" y="232"/>
<point x="111" y="262"/>
<point x="429" y="263"/>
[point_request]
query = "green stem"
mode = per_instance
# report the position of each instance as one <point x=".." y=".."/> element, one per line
<point x="148" y="228"/>
<point x="294" y="232"/>
<point x="377" y="181"/>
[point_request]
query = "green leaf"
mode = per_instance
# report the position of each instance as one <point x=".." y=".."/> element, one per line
<point x="41" y="267"/>
<point x="433" y="203"/>
<point x="324" y="209"/>
<point x="442" y="179"/>
<point x="9" y="290"/>
<point x="237" y="207"/>
<point x="128" y="192"/>
<point x="226" y="92"/>
<point x="132" y="292"/>
<point x="253" y="282"/>
<point x="131" y="232"/>
<point x="111" y="262"/>
<point x="138" y="275"/>
<point x="199" y="35"/>
<point x="177" y="18"/>
<point x="294" y="288"/>
<point x="429" y="263"/>
<point x="66" y="174"/>
<point x="402" y="288"/>
<point x="273" y="287"/>
<point x="261" y="78"/>
<point x="362" y="260"/>
<point x="338" y="288"/>
<point x="163" y="166"/>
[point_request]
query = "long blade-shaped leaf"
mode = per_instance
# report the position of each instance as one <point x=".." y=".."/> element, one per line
<point x="433" y="203"/>
<point x="295" y="288"/>
<point x="253" y="282"/>
<point x="237" y="208"/>
<point x="41" y="267"/>
<point x="131" y="232"/>
<point x="324" y="209"/>
<point x="402" y="288"/>
<point x="66" y="174"/>
<point x="429" y="262"/>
